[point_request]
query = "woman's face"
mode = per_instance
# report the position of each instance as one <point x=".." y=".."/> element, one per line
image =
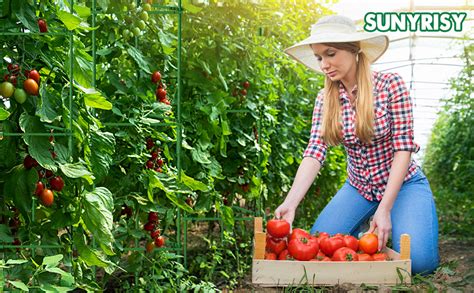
<point x="337" y="65"/>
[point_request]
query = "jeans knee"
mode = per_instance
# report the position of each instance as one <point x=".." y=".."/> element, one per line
<point x="423" y="265"/>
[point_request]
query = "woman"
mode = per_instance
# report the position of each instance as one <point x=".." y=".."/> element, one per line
<point x="370" y="113"/>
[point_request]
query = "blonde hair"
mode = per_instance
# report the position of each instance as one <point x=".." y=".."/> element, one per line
<point x="331" y="124"/>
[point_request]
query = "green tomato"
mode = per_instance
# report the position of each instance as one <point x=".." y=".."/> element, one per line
<point x="132" y="5"/>
<point x="144" y="15"/>
<point x="136" y="31"/>
<point x="20" y="96"/>
<point x="128" y="19"/>
<point x="141" y="24"/>
<point x="126" y="34"/>
<point x="147" y="7"/>
<point x="6" y="89"/>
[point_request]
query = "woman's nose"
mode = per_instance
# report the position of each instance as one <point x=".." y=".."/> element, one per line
<point x="324" y="64"/>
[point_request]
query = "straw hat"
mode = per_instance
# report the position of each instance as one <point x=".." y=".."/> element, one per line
<point x="337" y="29"/>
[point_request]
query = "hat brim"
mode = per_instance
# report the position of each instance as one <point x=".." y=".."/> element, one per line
<point x="373" y="46"/>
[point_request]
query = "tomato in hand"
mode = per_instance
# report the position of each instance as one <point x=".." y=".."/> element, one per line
<point x="369" y="243"/>
<point x="303" y="248"/>
<point x="345" y="254"/>
<point x="278" y="228"/>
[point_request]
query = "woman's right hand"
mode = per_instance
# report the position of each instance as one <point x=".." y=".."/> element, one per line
<point x="286" y="211"/>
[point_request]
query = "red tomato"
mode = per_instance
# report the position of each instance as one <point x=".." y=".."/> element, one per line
<point x="351" y="242"/>
<point x="270" y="256"/>
<point x="303" y="248"/>
<point x="321" y="235"/>
<point x="278" y="228"/>
<point x="369" y="243"/>
<point x="297" y="233"/>
<point x="33" y="74"/>
<point x="325" y="259"/>
<point x="284" y="255"/>
<point x="320" y="255"/>
<point x="31" y="87"/>
<point x="156" y="77"/>
<point x="365" y="257"/>
<point x="47" y="197"/>
<point x="159" y="241"/>
<point x="161" y="93"/>
<point x="330" y="245"/>
<point x="57" y="183"/>
<point x="275" y="245"/>
<point x="43" y="27"/>
<point x="345" y="254"/>
<point x="39" y="188"/>
<point x="381" y="256"/>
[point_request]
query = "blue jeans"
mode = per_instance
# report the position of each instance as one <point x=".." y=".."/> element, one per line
<point x="413" y="212"/>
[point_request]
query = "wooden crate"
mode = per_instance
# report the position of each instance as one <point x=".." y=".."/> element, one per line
<point x="282" y="273"/>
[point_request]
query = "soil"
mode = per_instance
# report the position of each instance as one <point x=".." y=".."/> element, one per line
<point x="455" y="274"/>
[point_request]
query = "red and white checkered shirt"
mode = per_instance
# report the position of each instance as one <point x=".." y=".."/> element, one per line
<point x="368" y="165"/>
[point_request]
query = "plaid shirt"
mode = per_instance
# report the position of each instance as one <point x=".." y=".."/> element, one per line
<point x="368" y="165"/>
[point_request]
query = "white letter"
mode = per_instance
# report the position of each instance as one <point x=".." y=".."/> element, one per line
<point x="413" y="19"/>
<point x="445" y="22"/>
<point x="426" y="20"/>
<point x="458" y="19"/>
<point x="370" y="24"/>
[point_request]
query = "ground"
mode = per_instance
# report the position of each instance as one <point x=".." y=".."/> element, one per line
<point x="455" y="274"/>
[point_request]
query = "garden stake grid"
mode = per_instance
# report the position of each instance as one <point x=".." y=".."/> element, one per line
<point x="67" y="131"/>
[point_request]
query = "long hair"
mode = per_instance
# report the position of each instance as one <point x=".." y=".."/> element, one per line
<point x="331" y="124"/>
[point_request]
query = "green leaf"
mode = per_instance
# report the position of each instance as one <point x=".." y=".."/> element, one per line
<point x="179" y="202"/>
<point x="19" y="187"/>
<point x="19" y="284"/>
<point x="139" y="58"/>
<point x="200" y="156"/>
<point x="187" y="4"/>
<point x="5" y="234"/>
<point x="70" y="21"/>
<point x="45" y="108"/>
<point x="97" y="216"/>
<point x="82" y="11"/>
<point x="82" y="64"/>
<point x="193" y="183"/>
<point x="227" y="215"/>
<point x="77" y="170"/>
<point x="221" y="78"/>
<point x="53" y="260"/>
<point x="38" y="146"/>
<point x="166" y="42"/>
<point x="26" y="15"/>
<point x="4" y="114"/>
<point x="103" y="4"/>
<point x="16" y="261"/>
<point x="8" y="146"/>
<point x="90" y="256"/>
<point x="98" y="152"/>
<point x="95" y="99"/>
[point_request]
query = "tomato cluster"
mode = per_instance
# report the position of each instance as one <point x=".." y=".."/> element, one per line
<point x="152" y="227"/>
<point x="301" y="245"/>
<point x="44" y="190"/>
<point x="30" y="78"/>
<point x="242" y="91"/>
<point x="160" y="92"/>
<point x="156" y="161"/>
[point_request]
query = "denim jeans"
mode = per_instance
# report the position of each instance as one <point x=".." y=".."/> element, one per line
<point x="413" y="212"/>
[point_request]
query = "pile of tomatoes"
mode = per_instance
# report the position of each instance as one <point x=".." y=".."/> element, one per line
<point x="301" y="245"/>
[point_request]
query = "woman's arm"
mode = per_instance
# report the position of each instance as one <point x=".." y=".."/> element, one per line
<point x="382" y="220"/>
<point x="305" y="176"/>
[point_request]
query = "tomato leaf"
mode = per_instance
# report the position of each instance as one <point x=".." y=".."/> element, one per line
<point x="95" y="99"/>
<point x="26" y="15"/>
<point x="139" y="58"/>
<point x="45" y="108"/>
<point x="98" y="152"/>
<point x="187" y="4"/>
<point x="97" y="216"/>
<point x="5" y="234"/>
<point x="77" y="170"/>
<point x="82" y="66"/>
<point x="193" y="183"/>
<point x="90" y="256"/>
<point x="19" y="284"/>
<point x="70" y="21"/>
<point x="227" y="214"/>
<point x="8" y="146"/>
<point x="52" y="261"/>
<point x="19" y="187"/>
<point x="38" y="146"/>
<point x="4" y="114"/>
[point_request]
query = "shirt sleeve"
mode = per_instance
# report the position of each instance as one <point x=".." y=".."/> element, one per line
<point x="316" y="146"/>
<point x="401" y="108"/>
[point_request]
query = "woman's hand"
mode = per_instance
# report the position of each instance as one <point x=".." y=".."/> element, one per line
<point x="383" y="222"/>
<point x="286" y="211"/>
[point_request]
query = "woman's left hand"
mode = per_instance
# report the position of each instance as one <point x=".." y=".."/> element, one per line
<point x="383" y="222"/>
